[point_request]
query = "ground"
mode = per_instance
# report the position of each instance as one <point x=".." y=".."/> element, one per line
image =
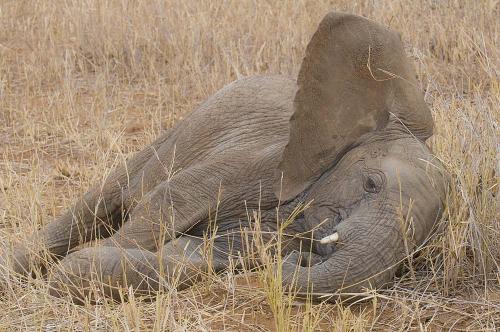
<point x="84" y="84"/>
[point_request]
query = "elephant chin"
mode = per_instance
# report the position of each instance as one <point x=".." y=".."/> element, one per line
<point x="367" y="254"/>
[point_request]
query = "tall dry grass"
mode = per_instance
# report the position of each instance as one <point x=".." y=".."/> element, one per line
<point x="84" y="84"/>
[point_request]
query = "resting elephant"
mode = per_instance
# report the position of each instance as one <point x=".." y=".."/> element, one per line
<point x="348" y="136"/>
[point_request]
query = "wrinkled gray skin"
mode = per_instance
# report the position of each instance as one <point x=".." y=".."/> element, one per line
<point x="348" y="135"/>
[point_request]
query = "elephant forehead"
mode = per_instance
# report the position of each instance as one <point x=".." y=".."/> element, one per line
<point x="392" y="157"/>
<point x="409" y="174"/>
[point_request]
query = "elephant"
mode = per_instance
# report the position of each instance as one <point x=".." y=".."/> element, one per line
<point x="346" y="140"/>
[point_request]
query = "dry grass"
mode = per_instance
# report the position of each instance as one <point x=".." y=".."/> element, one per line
<point x="84" y="84"/>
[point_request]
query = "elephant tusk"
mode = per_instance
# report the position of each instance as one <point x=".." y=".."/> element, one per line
<point x="330" y="238"/>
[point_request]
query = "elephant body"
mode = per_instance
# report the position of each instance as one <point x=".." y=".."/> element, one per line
<point x="221" y="157"/>
<point x="347" y="138"/>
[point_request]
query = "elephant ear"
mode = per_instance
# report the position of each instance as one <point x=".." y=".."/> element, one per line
<point x="354" y="76"/>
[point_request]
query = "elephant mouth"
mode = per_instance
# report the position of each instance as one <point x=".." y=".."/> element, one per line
<point x="325" y="237"/>
<point x="322" y="222"/>
<point x="321" y="249"/>
<point x="326" y="245"/>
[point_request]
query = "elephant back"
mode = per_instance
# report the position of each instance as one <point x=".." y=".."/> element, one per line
<point x="236" y="136"/>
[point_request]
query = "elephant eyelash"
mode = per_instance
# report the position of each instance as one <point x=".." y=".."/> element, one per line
<point x="373" y="183"/>
<point x="370" y="185"/>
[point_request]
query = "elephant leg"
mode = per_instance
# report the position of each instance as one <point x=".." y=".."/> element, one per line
<point x="145" y="228"/>
<point x="97" y="214"/>
<point x="113" y="271"/>
<point x="170" y="210"/>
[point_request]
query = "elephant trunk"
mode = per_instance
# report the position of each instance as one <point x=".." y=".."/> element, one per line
<point x="368" y="250"/>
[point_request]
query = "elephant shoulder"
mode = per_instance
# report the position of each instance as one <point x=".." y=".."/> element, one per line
<point x="251" y="98"/>
<point x="247" y="114"/>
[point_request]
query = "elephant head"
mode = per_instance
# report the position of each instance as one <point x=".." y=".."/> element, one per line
<point x="357" y="149"/>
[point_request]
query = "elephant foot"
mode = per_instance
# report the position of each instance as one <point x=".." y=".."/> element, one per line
<point x="97" y="272"/>
<point x="91" y="273"/>
<point x="20" y="261"/>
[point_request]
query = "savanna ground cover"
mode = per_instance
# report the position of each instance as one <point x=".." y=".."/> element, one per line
<point x="85" y="84"/>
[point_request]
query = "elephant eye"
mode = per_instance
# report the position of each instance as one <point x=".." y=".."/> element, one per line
<point x="373" y="183"/>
